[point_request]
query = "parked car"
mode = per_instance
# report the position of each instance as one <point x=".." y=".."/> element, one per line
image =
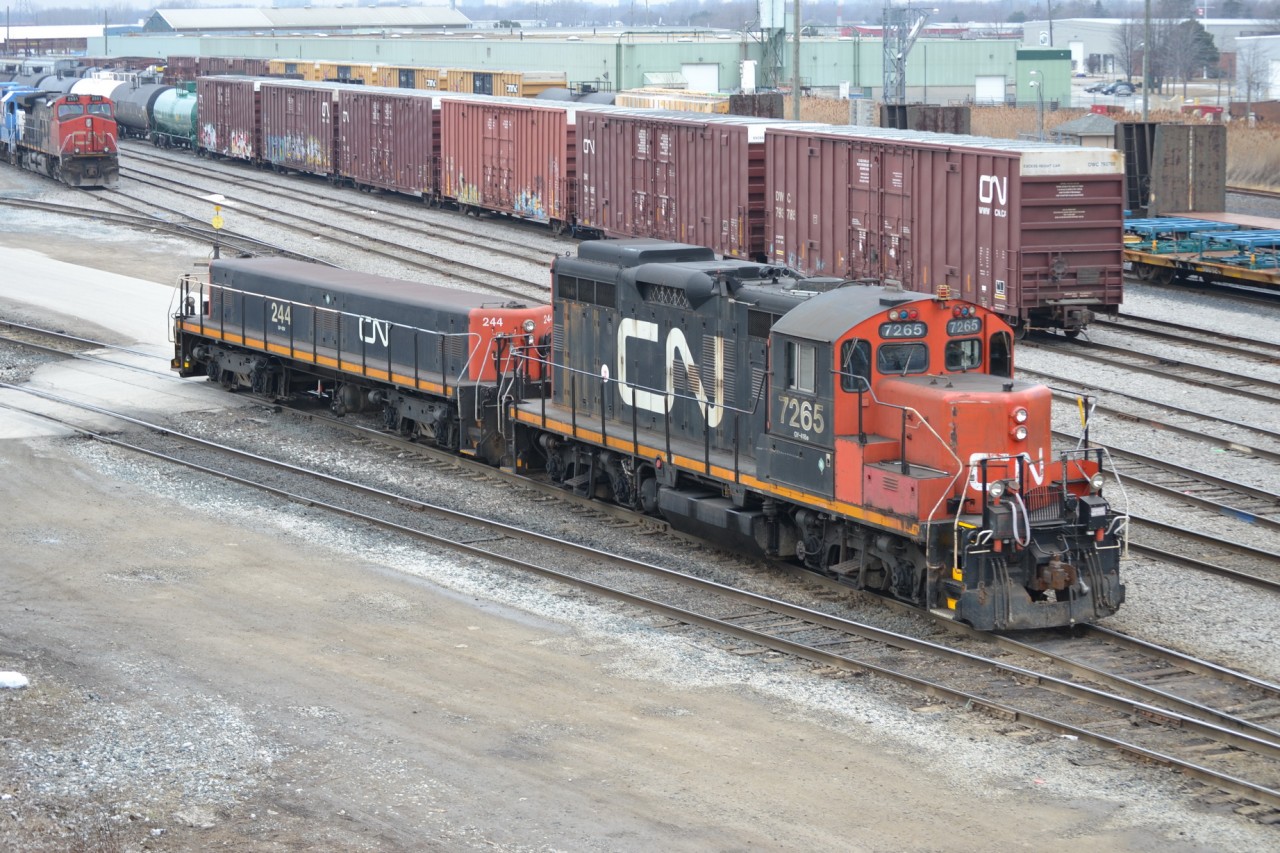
<point x="1096" y="88"/>
<point x="1119" y="88"/>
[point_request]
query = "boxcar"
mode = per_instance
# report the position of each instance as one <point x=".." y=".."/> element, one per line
<point x="674" y="176"/>
<point x="510" y="84"/>
<point x="388" y="139"/>
<point x="1031" y="230"/>
<point x="300" y="125"/>
<point x="508" y="156"/>
<point x="229" y="116"/>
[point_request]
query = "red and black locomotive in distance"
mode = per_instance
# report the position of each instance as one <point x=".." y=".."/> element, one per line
<point x="68" y="137"/>
<point x="871" y="434"/>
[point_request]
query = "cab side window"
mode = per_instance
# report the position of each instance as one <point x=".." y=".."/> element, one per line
<point x="964" y="354"/>
<point x="1001" y="354"/>
<point x="800" y="367"/>
<point x="855" y="366"/>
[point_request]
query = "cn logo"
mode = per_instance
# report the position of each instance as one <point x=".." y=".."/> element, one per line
<point x="993" y="190"/>
<point x="374" y="331"/>
<point x="676" y="348"/>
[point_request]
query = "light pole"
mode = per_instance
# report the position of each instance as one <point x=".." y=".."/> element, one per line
<point x="1037" y="85"/>
<point x="1146" y="63"/>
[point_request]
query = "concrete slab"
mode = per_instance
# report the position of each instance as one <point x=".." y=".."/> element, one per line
<point x="103" y="306"/>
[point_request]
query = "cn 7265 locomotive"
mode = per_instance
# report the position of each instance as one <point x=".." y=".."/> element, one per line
<point x="874" y="435"/>
<point x="70" y="138"/>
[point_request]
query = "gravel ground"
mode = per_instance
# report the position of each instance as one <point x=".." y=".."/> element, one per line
<point x="184" y="760"/>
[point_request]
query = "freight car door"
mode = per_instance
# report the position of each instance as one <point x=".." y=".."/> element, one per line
<point x="897" y="173"/>
<point x="666" y="183"/>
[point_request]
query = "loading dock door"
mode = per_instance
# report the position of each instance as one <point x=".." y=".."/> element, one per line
<point x="989" y="89"/>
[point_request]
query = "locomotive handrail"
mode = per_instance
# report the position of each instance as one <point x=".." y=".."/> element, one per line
<point x="188" y="280"/>
<point x="575" y="372"/>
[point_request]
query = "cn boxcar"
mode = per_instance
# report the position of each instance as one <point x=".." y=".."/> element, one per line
<point x="508" y="156"/>
<point x="230" y="117"/>
<point x="300" y="125"/>
<point x="674" y="176"/>
<point x="1030" y="230"/>
<point x="387" y="139"/>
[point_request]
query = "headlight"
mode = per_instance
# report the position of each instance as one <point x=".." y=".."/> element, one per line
<point x="1095" y="483"/>
<point x="1020" y="415"/>
<point x="529" y="326"/>
<point x="996" y="490"/>
<point x="1020" y="433"/>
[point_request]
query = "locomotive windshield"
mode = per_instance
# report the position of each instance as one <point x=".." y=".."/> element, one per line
<point x="964" y="354"/>
<point x="855" y="365"/>
<point x="901" y="359"/>
<point x="66" y="111"/>
<point x="100" y="110"/>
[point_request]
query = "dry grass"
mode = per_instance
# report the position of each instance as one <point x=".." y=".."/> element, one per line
<point x="1253" y="156"/>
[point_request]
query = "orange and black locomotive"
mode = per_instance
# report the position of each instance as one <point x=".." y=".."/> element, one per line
<point x="875" y="435"/>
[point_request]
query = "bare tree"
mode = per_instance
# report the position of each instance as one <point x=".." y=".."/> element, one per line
<point x="1125" y="43"/>
<point x="1253" y="70"/>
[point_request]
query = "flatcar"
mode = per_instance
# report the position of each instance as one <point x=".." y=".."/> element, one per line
<point x="1215" y="248"/>
<point x="870" y="433"/>
<point x="68" y="137"/>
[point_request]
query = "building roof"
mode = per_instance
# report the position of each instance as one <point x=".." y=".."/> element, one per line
<point x="318" y="18"/>
<point x="78" y="31"/>
<point x="1088" y="125"/>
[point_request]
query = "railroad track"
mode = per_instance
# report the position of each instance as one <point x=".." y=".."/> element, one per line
<point x="1201" y="552"/>
<point x="173" y="224"/>
<point x="1227" y="751"/>
<point x="1236" y="346"/>
<point x="472" y="275"/>
<point x="1166" y="714"/>
<point x="1225" y="381"/>
<point x="431" y="223"/>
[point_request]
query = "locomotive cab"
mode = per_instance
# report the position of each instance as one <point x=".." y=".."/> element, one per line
<point x="913" y="415"/>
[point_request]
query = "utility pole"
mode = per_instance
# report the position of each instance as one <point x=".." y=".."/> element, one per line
<point x="795" y="67"/>
<point x="1146" y="62"/>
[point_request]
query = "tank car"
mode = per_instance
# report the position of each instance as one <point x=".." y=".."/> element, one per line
<point x="873" y="434"/>
<point x="173" y="119"/>
<point x="135" y="108"/>
<point x="436" y="361"/>
<point x="68" y="137"/>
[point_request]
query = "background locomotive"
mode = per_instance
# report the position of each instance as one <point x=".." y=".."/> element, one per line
<point x="68" y="137"/>
<point x="872" y="434"/>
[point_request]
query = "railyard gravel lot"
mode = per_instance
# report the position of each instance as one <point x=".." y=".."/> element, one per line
<point x="210" y="668"/>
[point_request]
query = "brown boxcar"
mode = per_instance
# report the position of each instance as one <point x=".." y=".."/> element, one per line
<point x="229" y="117"/>
<point x="212" y="66"/>
<point x="509" y="156"/>
<point x="681" y="177"/>
<point x="1031" y="230"/>
<point x="300" y="125"/>
<point x="180" y="69"/>
<point x="387" y="139"/>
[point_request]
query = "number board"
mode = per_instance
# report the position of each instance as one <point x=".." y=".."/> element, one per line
<point x="903" y="330"/>
<point x="964" y="326"/>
